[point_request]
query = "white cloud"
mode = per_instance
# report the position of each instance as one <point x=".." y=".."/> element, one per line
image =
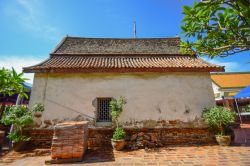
<point x="229" y="66"/>
<point x="30" y="16"/>
<point x="18" y="62"/>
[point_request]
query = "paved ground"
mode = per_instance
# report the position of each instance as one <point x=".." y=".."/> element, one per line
<point x="186" y="156"/>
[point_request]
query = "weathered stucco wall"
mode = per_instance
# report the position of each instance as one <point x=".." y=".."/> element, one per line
<point x="152" y="98"/>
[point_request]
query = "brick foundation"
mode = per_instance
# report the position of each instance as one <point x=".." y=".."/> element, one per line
<point x="100" y="137"/>
<point x="40" y="138"/>
<point x="140" y="138"/>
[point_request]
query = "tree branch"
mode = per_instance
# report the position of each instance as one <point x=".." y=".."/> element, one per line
<point x="240" y="13"/>
<point x="232" y="46"/>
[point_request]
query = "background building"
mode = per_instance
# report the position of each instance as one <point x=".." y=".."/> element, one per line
<point x="228" y="84"/>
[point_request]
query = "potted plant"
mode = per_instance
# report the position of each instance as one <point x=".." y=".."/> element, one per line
<point x="118" y="139"/>
<point x="38" y="108"/>
<point x="19" y="117"/>
<point x="219" y="119"/>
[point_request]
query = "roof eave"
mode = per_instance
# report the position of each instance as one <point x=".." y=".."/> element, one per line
<point x="30" y="67"/>
<point x="122" y="70"/>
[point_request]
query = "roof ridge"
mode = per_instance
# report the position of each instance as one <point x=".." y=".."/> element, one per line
<point x="122" y="54"/>
<point x="122" y="38"/>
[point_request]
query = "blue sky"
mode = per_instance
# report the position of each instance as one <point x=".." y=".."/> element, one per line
<point x="31" y="29"/>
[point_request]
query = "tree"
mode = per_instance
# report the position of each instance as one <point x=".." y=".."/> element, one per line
<point x="117" y="108"/>
<point x="11" y="83"/>
<point x="216" y="27"/>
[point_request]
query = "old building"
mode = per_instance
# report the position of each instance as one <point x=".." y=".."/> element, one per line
<point x="163" y="88"/>
<point x="159" y="83"/>
<point x="226" y="85"/>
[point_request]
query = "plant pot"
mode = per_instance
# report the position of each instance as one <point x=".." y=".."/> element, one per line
<point x="118" y="144"/>
<point x="2" y="134"/>
<point x="223" y="140"/>
<point x="20" y="146"/>
<point x="37" y="114"/>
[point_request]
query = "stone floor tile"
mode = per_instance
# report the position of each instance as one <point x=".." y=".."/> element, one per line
<point x="193" y="155"/>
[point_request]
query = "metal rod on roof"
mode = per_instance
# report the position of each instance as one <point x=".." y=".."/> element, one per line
<point x="135" y="29"/>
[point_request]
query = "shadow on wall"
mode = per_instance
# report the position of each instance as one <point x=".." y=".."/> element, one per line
<point x="70" y="109"/>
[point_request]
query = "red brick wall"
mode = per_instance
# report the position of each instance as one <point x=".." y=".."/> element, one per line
<point x="101" y="137"/>
<point x="153" y="137"/>
<point x="40" y="138"/>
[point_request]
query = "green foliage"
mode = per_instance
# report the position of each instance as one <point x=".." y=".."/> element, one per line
<point x="216" y="28"/>
<point x="119" y="134"/>
<point x="19" y="117"/>
<point x="218" y="118"/>
<point x="12" y="83"/>
<point x="17" y="137"/>
<point x="117" y="107"/>
<point x="38" y="107"/>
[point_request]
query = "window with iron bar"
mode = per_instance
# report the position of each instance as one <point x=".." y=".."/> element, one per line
<point x="103" y="110"/>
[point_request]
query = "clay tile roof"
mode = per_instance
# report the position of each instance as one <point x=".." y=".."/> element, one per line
<point x="77" y="45"/>
<point x="121" y="55"/>
<point x="231" y="80"/>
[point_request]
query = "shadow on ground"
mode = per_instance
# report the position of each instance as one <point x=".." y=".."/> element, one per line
<point x="99" y="155"/>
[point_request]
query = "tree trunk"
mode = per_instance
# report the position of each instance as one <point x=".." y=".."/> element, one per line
<point x="117" y="125"/>
<point x="12" y="127"/>
<point x="222" y="130"/>
<point x="18" y="100"/>
<point x="2" y="110"/>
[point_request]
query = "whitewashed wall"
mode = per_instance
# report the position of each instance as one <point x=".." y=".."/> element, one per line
<point x="150" y="96"/>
